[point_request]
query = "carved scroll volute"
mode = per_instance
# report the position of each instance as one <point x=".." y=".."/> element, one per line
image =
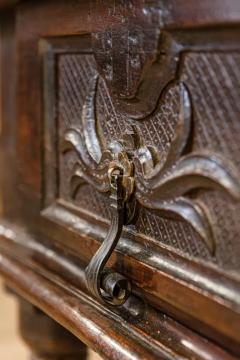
<point x="159" y="183"/>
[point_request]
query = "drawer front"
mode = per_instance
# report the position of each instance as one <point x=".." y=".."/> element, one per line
<point x="211" y="83"/>
<point x="164" y="87"/>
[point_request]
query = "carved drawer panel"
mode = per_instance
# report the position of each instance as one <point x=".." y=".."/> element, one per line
<point x="149" y="93"/>
<point x="192" y="135"/>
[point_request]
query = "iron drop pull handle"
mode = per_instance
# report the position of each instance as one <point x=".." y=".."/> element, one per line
<point x="103" y="283"/>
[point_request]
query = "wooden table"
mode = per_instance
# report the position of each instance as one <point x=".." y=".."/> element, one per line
<point x="120" y="177"/>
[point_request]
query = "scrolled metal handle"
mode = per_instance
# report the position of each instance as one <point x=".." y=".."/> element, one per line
<point x="103" y="283"/>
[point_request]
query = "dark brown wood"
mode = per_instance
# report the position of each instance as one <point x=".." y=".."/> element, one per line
<point x="160" y="82"/>
<point x="45" y="338"/>
<point x="8" y="3"/>
<point x="144" y="333"/>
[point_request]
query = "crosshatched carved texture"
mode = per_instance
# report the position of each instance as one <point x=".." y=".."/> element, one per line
<point x="215" y="128"/>
<point x="213" y="80"/>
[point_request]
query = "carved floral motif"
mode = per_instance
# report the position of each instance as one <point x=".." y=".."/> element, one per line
<point x="163" y="183"/>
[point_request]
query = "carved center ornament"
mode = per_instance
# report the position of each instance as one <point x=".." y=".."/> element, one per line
<point x="161" y="183"/>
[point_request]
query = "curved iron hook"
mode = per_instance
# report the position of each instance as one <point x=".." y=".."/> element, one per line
<point x="105" y="284"/>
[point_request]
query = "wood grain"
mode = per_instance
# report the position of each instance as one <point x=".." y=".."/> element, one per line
<point x="141" y="52"/>
<point x="102" y="328"/>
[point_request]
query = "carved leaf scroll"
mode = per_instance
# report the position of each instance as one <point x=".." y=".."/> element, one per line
<point x="161" y="183"/>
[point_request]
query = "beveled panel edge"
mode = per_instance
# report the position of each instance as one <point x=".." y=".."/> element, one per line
<point x="48" y="50"/>
<point x="145" y="333"/>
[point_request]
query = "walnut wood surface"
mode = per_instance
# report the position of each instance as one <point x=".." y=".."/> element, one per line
<point x="8" y="3"/>
<point x="46" y="339"/>
<point x="134" y="330"/>
<point x="143" y="55"/>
